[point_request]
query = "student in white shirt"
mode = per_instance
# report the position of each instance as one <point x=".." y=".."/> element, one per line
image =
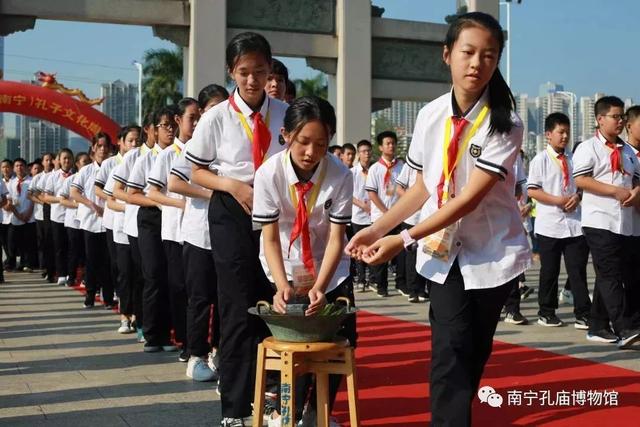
<point x="557" y="225"/>
<point x="22" y="228"/>
<point x="172" y="205"/>
<point x="75" y="238"/>
<point x="155" y="294"/>
<point x="606" y="170"/>
<point x="41" y="212"/>
<point x="121" y="253"/>
<point x="415" y="283"/>
<point x="90" y="210"/>
<point x="303" y="199"/>
<point x="235" y="137"/>
<point x="130" y="219"/>
<point x="6" y="167"/>
<point x="361" y="211"/>
<point x="51" y="196"/>
<point x="348" y="155"/>
<point x="382" y="191"/>
<point x="199" y="269"/>
<point x="632" y="277"/>
<point x="471" y="247"/>
<point x="277" y="81"/>
<point x="4" y="192"/>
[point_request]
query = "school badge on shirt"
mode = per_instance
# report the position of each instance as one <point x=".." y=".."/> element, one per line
<point x="475" y="151"/>
<point x="328" y="204"/>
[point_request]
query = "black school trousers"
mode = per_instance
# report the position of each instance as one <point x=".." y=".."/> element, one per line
<point x="98" y="266"/>
<point x="608" y="252"/>
<point x="177" y="290"/>
<point x="202" y="291"/>
<point x="61" y="248"/>
<point x="360" y="266"/>
<point x="378" y="273"/>
<point x="462" y="326"/>
<point x="138" y="280"/>
<point x="22" y="243"/>
<point x="113" y="259"/>
<point x="241" y="284"/>
<point x="576" y="254"/>
<point x="155" y="295"/>
<point x="76" y="257"/>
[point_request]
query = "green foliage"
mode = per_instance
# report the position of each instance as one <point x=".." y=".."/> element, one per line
<point x="162" y="70"/>
<point x="316" y="86"/>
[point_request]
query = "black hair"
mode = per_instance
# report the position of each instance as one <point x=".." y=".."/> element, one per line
<point x="169" y="111"/>
<point x="20" y="159"/>
<point x="183" y="104"/>
<point x="604" y="104"/>
<point x="209" y="92"/>
<point x="7" y="161"/>
<point x="80" y="155"/>
<point x="364" y="142"/>
<point x="277" y="67"/>
<point x="633" y="113"/>
<point x="332" y="149"/>
<point x="555" y="119"/>
<point x="99" y="136"/>
<point x="348" y="146"/>
<point x="66" y="150"/>
<point x="121" y="133"/>
<point x="53" y="156"/>
<point x="501" y="100"/>
<point x="386" y="134"/>
<point x="244" y="43"/>
<point x="131" y="128"/>
<point x="148" y="119"/>
<point x="306" y="109"/>
<point x="291" y="89"/>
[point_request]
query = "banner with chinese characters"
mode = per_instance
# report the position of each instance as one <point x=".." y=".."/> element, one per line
<point x="79" y="117"/>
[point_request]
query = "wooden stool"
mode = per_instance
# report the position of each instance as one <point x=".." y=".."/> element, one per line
<point x="291" y="359"/>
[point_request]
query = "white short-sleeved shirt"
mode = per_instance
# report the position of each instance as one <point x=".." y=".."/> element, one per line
<point x="358" y="215"/>
<point x="375" y="182"/>
<point x="489" y="243"/>
<point x="70" y="215"/>
<point x="84" y="181"/>
<point x="119" y="236"/>
<point x="406" y="179"/>
<point x="636" y="214"/>
<point x="20" y="199"/>
<point x="53" y="187"/>
<point x="221" y="140"/>
<point x="101" y="180"/>
<point x="272" y="202"/>
<point x="592" y="157"/>
<point x="6" y="216"/>
<point x="545" y="173"/>
<point x="521" y="181"/>
<point x="195" y="220"/>
<point x="38" y="210"/>
<point x="159" y="176"/>
<point x="4" y="192"/>
<point x="121" y="174"/>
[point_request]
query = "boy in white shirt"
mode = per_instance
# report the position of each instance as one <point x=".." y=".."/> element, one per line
<point x="605" y="168"/>
<point x="382" y="190"/>
<point x="22" y="230"/>
<point x="361" y="211"/>
<point x="557" y="226"/>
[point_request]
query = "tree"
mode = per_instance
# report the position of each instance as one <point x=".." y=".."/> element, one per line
<point x="316" y="86"/>
<point x="162" y="69"/>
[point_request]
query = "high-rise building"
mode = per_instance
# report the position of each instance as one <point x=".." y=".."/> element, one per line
<point x="39" y="136"/>
<point x="549" y="87"/>
<point x="587" y="120"/>
<point x="120" y="101"/>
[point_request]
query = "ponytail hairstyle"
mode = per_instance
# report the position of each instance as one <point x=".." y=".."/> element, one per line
<point x="501" y="100"/>
<point x="210" y="92"/>
<point x="307" y="109"/>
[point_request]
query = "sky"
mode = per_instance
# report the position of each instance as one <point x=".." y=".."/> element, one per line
<point x="585" y="45"/>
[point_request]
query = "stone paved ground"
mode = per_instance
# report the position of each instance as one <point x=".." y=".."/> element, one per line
<point x="63" y="365"/>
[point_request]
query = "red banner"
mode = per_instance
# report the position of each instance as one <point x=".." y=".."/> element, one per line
<point x="47" y="104"/>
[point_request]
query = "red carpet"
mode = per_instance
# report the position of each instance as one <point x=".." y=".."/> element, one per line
<point x="393" y="375"/>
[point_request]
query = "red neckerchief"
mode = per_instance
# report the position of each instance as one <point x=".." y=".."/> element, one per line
<point x="261" y="135"/>
<point x="301" y="226"/>
<point x="389" y="167"/>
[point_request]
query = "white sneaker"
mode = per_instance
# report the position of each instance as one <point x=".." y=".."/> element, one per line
<point x="125" y="327"/>
<point x="198" y="370"/>
<point x="235" y="422"/>
<point x="62" y="281"/>
<point x="212" y="360"/>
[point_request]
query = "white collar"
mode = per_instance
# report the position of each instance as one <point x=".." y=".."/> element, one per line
<point x="290" y="173"/>
<point x="246" y="110"/>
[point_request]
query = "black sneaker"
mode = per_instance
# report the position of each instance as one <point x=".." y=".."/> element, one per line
<point x="149" y="348"/>
<point x="581" y="323"/>
<point x="628" y="337"/>
<point x="551" y="320"/>
<point x="184" y="356"/>
<point x="89" y="301"/>
<point x="383" y="294"/>
<point x="603" y="335"/>
<point x="414" y="299"/>
<point x="423" y="297"/>
<point x="402" y="292"/>
<point x="525" y="291"/>
<point x="515" y="318"/>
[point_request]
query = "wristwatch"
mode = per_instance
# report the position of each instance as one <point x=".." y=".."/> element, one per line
<point x="409" y="242"/>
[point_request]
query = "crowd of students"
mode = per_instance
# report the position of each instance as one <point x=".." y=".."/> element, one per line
<point x="221" y="201"/>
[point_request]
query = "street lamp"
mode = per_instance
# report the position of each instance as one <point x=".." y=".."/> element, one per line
<point x="508" y="4"/>
<point x="139" y="68"/>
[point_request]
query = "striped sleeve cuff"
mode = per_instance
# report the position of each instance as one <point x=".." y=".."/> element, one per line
<point x="120" y="179"/>
<point x="135" y="185"/>
<point x="78" y="186"/>
<point x="401" y="184"/>
<point x="197" y="160"/>
<point x="534" y="186"/>
<point x="156" y="182"/>
<point x="413" y="164"/>
<point x="179" y="175"/>
<point x="99" y="183"/>
<point x="339" y="219"/>
<point x="375" y="190"/>
<point x="492" y="167"/>
<point x="266" y="218"/>
<point x="583" y="171"/>
<point x="107" y="192"/>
